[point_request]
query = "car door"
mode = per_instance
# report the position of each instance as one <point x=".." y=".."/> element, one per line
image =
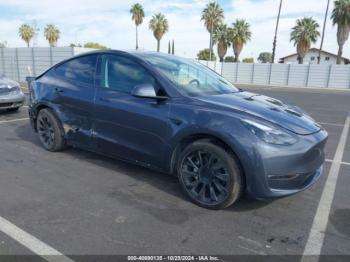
<point x="125" y="126"/>
<point x="74" y="95"/>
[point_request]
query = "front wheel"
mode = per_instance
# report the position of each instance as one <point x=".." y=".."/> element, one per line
<point x="209" y="175"/>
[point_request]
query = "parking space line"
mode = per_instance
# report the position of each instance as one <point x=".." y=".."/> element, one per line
<point x="32" y="243"/>
<point x="317" y="233"/>
<point x="13" y="120"/>
<point x="342" y="163"/>
<point x="330" y="124"/>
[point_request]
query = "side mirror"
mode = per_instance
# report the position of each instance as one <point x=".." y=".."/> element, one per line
<point x="146" y="91"/>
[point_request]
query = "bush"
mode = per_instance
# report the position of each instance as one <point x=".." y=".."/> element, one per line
<point x="229" y="59"/>
<point x="94" y="45"/>
<point x="204" y="55"/>
<point x="248" y="60"/>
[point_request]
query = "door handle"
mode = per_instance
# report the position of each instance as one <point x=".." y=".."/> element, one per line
<point x="58" y="90"/>
<point x="176" y="122"/>
<point x="104" y="99"/>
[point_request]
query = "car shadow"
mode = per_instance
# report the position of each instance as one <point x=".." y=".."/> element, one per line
<point x="156" y="179"/>
<point x="7" y="113"/>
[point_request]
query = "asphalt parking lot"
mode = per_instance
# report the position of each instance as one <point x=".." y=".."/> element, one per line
<point x="81" y="203"/>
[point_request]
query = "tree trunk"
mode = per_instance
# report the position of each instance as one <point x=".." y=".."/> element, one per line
<point x="137" y="40"/>
<point x="236" y="56"/>
<point x="301" y="60"/>
<point x="210" y="47"/>
<point x="158" y="45"/>
<point x="211" y="41"/>
<point x="342" y="37"/>
<point x="222" y="50"/>
<point x="340" y="54"/>
<point x="27" y="44"/>
<point x="237" y="49"/>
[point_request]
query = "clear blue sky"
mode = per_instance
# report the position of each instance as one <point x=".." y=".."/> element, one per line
<point x="108" y="22"/>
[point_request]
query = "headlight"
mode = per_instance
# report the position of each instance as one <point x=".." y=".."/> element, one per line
<point x="14" y="90"/>
<point x="270" y="134"/>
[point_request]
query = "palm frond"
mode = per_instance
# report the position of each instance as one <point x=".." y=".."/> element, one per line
<point x="137" y="13"/>
<point x="212" y="15"/>
<point x="159" y="25"/>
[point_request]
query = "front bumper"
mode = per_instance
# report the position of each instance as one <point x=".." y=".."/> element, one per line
<point x="285" y="170"/>
<point x="12" y="100"/>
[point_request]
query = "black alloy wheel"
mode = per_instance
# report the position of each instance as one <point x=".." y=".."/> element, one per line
<point x="50" y="131"/>
<point x="210" y="175"/>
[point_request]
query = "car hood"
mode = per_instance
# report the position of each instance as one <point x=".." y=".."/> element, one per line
<point x="5" y="82"/>
<point x="270" y="109"/>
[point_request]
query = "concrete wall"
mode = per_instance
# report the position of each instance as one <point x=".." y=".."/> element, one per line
<point x="18" y="63"/>
<point x="293" y="75"/>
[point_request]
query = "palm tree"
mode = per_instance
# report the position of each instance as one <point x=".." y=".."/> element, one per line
<point x="240" y="34"/>
<point x="52" y="34"/>
<point x="26" y="32"/>
<point x="137" y="16"/>
<point x="159" y="25"/>
<point x="341" y="17"/>
<point x="212" y="15"/>
<point x="303" y="34"/>
<point x="221" y="37"/>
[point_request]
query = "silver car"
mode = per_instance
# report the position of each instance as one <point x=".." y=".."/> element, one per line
<point x="11" y="96"/>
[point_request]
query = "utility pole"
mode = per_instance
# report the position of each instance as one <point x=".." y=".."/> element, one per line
<point x="323" y="32"/>
<point x="36" y="33"/>
<point x="275" y="38"/>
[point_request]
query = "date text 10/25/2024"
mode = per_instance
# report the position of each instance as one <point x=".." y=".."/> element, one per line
<point x="173" y="258"/>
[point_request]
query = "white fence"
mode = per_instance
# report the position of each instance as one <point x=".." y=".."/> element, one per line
<point x="18" y="63"/>
<point x="293" y="75"/>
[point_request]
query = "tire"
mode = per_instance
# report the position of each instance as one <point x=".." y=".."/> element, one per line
<point x="14" y="109"/>
<point x="50" y="131"/>
<point x="210" y="175"/>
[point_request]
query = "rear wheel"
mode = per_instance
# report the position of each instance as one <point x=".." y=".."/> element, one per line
<point x="50" y="131"/>
<point x="209" y="175"/>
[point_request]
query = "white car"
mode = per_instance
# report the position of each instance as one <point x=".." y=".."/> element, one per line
<point x="11" y="96"/>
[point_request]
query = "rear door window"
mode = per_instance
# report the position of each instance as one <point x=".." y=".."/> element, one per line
<point x="80" y="69"/>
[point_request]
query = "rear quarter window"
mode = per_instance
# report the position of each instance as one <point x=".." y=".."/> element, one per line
<point x="80" y="69"/>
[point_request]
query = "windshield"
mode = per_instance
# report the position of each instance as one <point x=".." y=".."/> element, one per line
<point x="190" y="77"/>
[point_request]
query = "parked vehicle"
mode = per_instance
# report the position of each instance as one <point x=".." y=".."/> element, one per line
<point x="11" y="96"/>
<point x="177" y="116"/>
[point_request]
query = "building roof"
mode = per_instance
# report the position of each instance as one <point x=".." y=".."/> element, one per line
<point x="317" y="50"/>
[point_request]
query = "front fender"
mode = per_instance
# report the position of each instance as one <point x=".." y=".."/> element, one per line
<point x="223" y="126"/>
